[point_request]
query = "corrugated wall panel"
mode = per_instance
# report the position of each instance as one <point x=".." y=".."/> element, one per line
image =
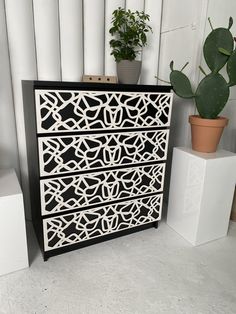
<point x="19" y="19"/>
<point x="150" y="55"/>
<point x="46" y="21"/>
<point x="71" y="35"/>
<point x="94" y="37"/>
<point x="110" y="6"/>
<point x="8" y="140"/>
<point x="134" y="5"/>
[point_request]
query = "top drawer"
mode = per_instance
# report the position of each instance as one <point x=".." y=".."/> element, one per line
<point x="76" y="110"/>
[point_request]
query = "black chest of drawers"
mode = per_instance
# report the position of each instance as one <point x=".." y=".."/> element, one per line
<point x="96" y="156"/>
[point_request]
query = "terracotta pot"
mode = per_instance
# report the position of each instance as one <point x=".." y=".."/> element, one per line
<point x="128" y="72"/>
<point x="206" y="133"/>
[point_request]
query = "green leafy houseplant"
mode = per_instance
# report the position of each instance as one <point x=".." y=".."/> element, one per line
<point x="212" y="92"/>
<point x="129" y="29"/>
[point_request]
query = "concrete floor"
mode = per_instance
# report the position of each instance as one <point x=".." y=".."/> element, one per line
<point x="153" y="271"/>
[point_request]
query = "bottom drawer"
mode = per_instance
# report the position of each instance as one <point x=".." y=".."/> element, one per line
<point x="80" y="226"/>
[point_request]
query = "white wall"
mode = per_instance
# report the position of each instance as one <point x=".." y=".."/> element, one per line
<point x="182" y="31"/>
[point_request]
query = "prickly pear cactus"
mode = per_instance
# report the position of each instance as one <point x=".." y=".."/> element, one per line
<point x="213" y="91"/>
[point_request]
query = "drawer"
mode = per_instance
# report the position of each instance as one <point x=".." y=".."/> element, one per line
<point x="78" y="191"/>
<point x="71" y="110"/>
<point x="73" y="228"/>
<point x="63" y="154"/>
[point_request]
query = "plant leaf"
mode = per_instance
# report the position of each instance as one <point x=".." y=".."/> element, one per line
<point x="181" y="84"/>
<point x="231" y="66"/>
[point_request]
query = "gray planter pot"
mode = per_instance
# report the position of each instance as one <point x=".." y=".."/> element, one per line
<point x="128" y="72"/>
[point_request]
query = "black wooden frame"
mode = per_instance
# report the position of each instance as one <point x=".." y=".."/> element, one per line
<point x="29" y="88"/>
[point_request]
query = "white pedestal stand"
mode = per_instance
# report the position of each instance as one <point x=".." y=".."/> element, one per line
<point x="13" y="244"/>
<point x="201" y="193"/>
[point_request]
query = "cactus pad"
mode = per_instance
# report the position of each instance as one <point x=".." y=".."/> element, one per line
<point x="231" y="69"/>
<point x="211" y="95"/>
<point x="181" y="84"/>
<point x="218" y="38"/>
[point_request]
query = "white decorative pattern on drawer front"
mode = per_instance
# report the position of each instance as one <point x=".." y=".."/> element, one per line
<point x="73" y="228"/>
<point x="77" y="153"/>
<point x="75" y="192"/>
<point x="62" y="111"/>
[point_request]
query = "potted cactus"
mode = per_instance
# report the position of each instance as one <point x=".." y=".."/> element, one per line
<point x="212" y="92"/>
<point x="129" y="30"/>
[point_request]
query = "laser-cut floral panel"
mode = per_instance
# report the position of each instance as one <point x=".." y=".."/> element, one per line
<point x="73" y="228"/>
<point x="74" y="192"/>
<point x="76" y="153"/>
<point x="60" y="111"/>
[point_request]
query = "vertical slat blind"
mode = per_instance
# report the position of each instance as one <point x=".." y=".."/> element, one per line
<point x="110" y="65"/>
<point x="150" y="55"/>
<point x="46" y="25"/>
<point x="8" y="141"/>
<point x="71" y="39"/>
<point x="94" y="37"/>
<point x="20" y="28"/>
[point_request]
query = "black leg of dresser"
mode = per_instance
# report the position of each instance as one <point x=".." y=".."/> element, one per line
<point x="155" y="224"/>
<point x="45" y="258"/>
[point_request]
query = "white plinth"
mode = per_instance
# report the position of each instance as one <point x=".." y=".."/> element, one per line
<point x="201" y="193"/>
<point x="13" y="244"/>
